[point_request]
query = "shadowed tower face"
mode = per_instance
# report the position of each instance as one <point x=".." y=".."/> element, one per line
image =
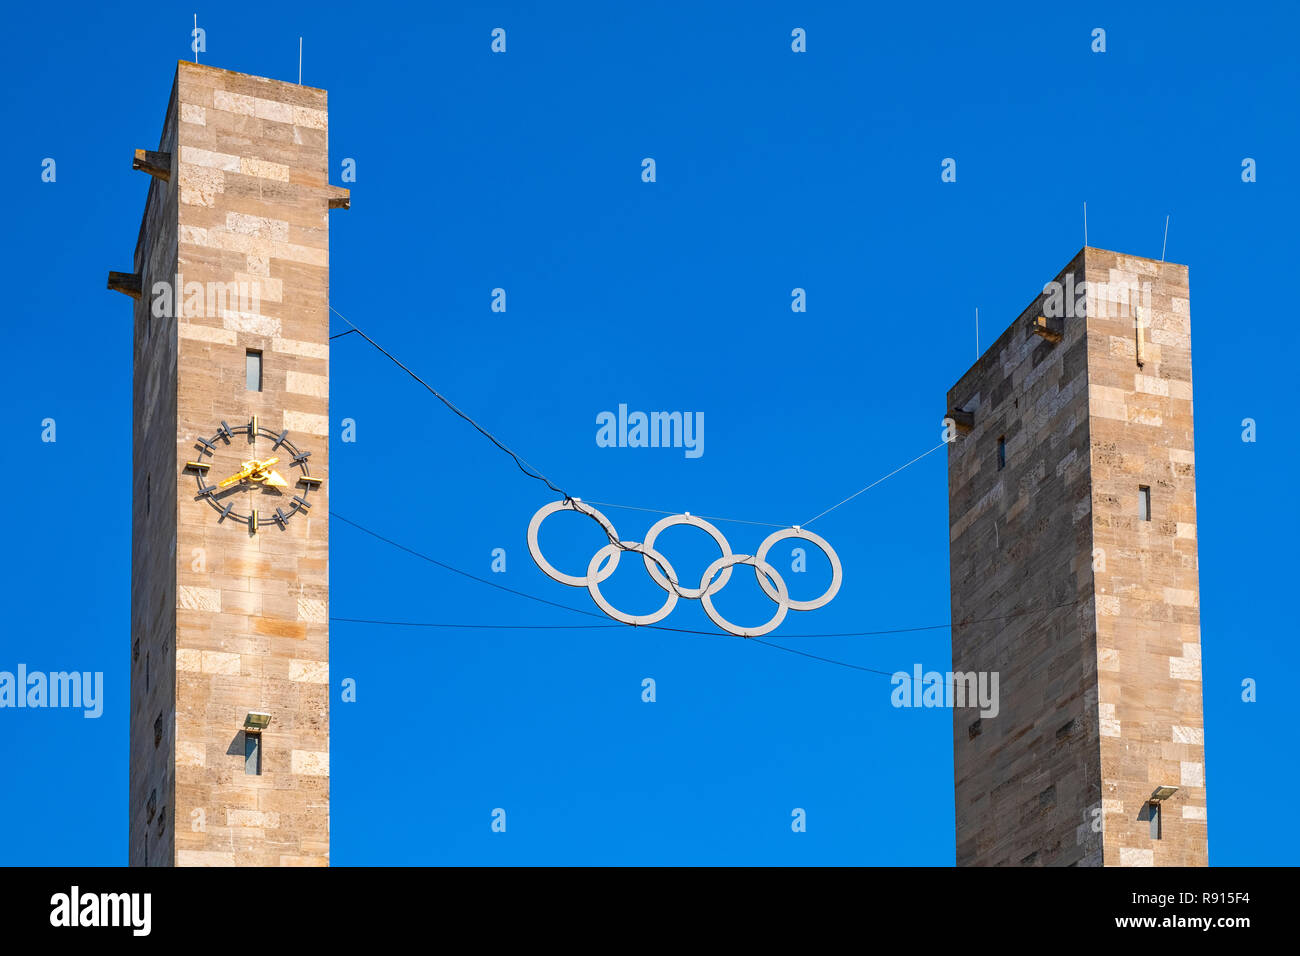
<point x="1072" y="509"/>
<point x="230" y="544"/>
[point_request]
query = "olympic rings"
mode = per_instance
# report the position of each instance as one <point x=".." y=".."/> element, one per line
<point x="662" y="573"/>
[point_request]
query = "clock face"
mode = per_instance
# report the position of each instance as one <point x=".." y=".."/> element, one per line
<point x="253" y="475"/>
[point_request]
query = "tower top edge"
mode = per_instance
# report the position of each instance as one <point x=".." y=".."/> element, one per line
<point x="191" y="66"/>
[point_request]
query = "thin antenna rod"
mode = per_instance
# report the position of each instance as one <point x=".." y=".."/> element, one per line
<point x="977" y="331"/>
<point x="300" y="61"/>
<point x="1164" y="245"/>
<point x="194" y="38"/>
<point x="1085" y="224"/>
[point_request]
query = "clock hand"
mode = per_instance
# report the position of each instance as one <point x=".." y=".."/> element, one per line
<point x="240" y="475"/>
<point x="262" y="469"/>
<point x="252" y="469"/>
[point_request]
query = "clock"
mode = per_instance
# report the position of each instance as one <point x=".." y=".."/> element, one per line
<point x="261" y="476"/>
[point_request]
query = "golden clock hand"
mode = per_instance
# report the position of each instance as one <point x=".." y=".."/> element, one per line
<point x="240" y="475"/>
<point x="253" y="469"/>
<point x="274" y="480"/>
<point x="262" y="469"/>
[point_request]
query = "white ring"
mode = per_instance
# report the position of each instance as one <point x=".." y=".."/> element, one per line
<point x="761" y="568"/>
<point x="691" y="594"/>
<point x="535" y="550"/>
<point x="594" y="579"/>
<point x="837" y="572"/>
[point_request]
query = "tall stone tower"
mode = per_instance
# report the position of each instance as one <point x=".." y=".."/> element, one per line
<point x="1072" y="510"/>
<point x="230" y="530"/>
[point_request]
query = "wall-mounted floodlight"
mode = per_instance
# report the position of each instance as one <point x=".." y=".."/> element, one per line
<point x="1158" y="796"/>
<point x="256" y="721"/>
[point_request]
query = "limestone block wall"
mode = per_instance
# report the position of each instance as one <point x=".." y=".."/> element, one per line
<point x="1089" y="611"/>
<point x="1148" y="606"/>
<point x="250" y="242"/>
<point x="152" y="779"/>
<point x="1022" y="588"/>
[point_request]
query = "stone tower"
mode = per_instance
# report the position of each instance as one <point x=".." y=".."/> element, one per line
<point x="230" y="531"/>
<point x="1072" y="512"/>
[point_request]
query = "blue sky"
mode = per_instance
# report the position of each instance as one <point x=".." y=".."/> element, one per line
<point x="775" y="170"/>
